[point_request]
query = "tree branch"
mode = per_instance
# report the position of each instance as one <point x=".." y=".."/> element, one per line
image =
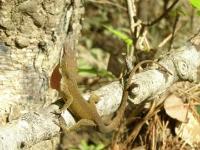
<point x="34" y="127"/>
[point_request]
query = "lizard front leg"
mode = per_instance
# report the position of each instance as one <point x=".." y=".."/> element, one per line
<point x="94" y="98"/>
<point x="68" y="98"/>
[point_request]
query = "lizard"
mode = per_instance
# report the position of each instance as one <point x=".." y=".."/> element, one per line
<point x="84" y="111"/>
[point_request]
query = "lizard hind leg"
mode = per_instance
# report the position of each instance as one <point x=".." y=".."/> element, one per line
<point x="82" y="123"/>
<point x="79" y="124"/>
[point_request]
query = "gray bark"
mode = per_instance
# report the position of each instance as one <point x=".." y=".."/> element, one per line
<point x="32" y="34"/>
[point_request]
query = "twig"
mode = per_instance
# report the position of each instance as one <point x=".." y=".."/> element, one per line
<point x="141" y="63"/>
<point x="161" y="16"/>
<point x="173" y="32"/>
<point x="138" y="127"/>
<point x="132" y="14"/>
<point x="168" y="38"/>
<point x="133" y="24"/>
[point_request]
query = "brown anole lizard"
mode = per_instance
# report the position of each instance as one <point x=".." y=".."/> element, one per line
<point x="84" y="111"/>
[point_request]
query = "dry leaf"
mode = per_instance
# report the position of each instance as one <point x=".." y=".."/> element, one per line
<point x="190" y="131"/>
<point x="175" y="108"/>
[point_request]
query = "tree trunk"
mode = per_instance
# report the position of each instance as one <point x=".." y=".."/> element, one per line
<point x="32" y="34"/>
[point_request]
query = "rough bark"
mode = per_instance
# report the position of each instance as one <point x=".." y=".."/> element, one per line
<point x="32" y="34"/>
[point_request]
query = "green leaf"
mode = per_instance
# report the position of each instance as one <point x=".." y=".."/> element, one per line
<point x="105" y="73"/>
<point x="195" y="3"/>
<point x="94" y="71"/>
<point x="85" y="146"/>
<point x="198" y="13"/>
<point x="88" y="71"/>
<point x="198" y="109"/>
<point x="125" y="38"/>
<point x="100" y="147"/>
